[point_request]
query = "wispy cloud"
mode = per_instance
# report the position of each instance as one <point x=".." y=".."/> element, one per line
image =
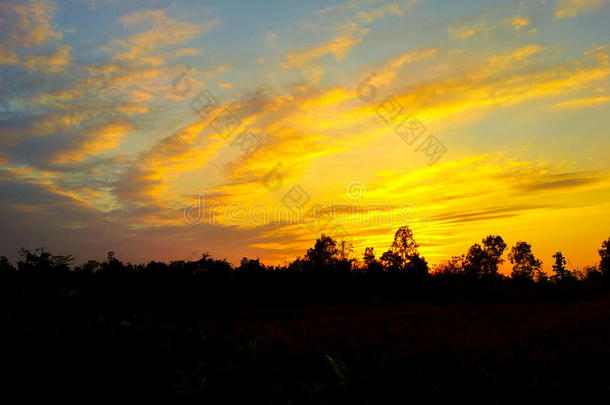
<point x="338" y="47"/>
<point x="163" y="32"/>
<point x="95" y="142"/>
<point x="483" y="28"/>
<point x="572" y="8"/>
<point x="579" y="103"/>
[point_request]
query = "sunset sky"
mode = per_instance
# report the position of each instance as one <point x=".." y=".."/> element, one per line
<point x="107" y="143"/>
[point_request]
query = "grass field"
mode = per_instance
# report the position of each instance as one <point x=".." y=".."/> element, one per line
<point x="381" y="352"/>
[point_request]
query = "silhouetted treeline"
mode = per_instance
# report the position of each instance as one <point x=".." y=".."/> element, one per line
<point x="191" y="332"/>
<point x="328" y="272"/>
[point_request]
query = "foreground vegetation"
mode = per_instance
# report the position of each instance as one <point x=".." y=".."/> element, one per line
<point x="326" y="328"/>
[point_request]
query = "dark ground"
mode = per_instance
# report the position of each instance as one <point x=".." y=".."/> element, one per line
<point x="551" y="350"/>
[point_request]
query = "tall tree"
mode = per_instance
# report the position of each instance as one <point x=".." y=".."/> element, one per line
<point x="559" y="267"/>
<point x="403" y="254"/>
<point x="369" y="256"/>
<point x="494" y="247"/>
<point x="404" y="245"/>
<point x="371" y="264"/>
<point x="392" y="261"/>
<point x="474" y="261"/>
<point x="345" y="250"/>
<point x="604" y="254"/>
<point x="324" y="253"/>
<point x="525" y="264"/>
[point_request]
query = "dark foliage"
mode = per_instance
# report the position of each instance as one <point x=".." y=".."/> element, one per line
<point x="326" y="328"/>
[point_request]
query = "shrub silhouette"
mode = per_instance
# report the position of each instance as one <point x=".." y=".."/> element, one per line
<point x="5" y="265"/>
<point x="250" y="266"/>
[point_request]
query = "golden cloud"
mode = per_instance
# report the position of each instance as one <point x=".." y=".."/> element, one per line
<point x="572" y="8"/>
<point x="96" y="142"/>
<point x="145" y="47"/>
<point x="485" y="28"/>
<point x="579" y="103"/>
<point x="29" y="24"/>
<point x="56" y="62"/>
<point x="339" y="47"/>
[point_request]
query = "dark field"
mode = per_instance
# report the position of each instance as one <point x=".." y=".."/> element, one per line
<point x="380" y="352"/>
<point x="323" y="330"/>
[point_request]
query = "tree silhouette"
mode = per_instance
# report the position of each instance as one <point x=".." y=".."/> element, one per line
<point x="452" y="268"/>
<point x="525" y="264"/>
<point x="369" y="256"/>
<point x="474" y="261"/>
<point x="559" y="267"/>
<point x="494" y="247"/>
<point x="403" y="255"/>
<point x="392" y="261"/>
<point x="403" y="249"/>
<point x="250" y="266"/>
<point x="5" y="266"/>
<point x="90" y="267"/>
<point x="345" y="250"/>
<point x="371" y="264"/>
<point x="161" y="323"/>
<point x="604" y="265"/>
<point x="404" y="244"/>
<point x="112" y="265"/>
<point x="484" y="260"/>
<point x="417" y="267"/>
<point x="324" y="253"/>
<point x="42" y="261"/>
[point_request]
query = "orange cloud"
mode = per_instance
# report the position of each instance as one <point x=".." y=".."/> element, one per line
<point x="96" y="142"/>
<point x="578" y="103"/>
<point x="572" y="8"/>
<point x="519" y="22"/>
<point x="396" y="8"/>
<point x="389" y="72"/>
<point x="339" y="46"/>
<point x="485" y="28"/>
<point x="52" y="63"/>
<point x="28" y="24"/>
<point x="145" y="47"/>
